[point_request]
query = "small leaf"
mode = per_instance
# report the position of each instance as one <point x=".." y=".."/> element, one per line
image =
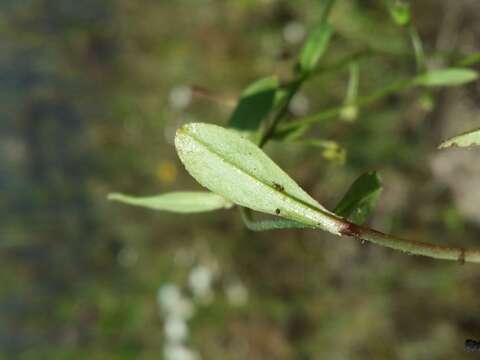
<point x="256" y="102"/>
<point x="179" y="202"/>
<point x="235" y="168"/>
<point x="361" y="198"/>
<point x="400" y="12"/>
<point x="446" y="77"/>
<point x="314" y="48"/>
<point x="468" y="138"/>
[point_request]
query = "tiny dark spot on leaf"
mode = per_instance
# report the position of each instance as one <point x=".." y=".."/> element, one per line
<point x="278" y="187"/>
<point x="277" y="211"/>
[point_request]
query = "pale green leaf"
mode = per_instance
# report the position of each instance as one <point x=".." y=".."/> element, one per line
<point x="180" y="202"/>
<point x="446" y="77"/>
<point x="361" y="198"/>
<point x="314" y="47"/>
<point x="235" y="168"/>
<point x="254" y="105"/>
<point x="468" y="138"/>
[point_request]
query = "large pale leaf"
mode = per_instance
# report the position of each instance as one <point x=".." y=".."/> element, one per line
<point x="469" y="138"/>
<point x="180" y="202"/>
<point x="314" y="47"/>
<point x="446" y="77"/>
<point x="254" y="105"/>
<point x="361" y="198"/>
<point x="235" y="168"/>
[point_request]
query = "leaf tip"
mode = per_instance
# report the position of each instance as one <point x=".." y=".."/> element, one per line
<point x="117" y="197"/>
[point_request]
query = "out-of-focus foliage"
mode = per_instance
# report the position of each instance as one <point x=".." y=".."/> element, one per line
<point x="447" y="77"/>
<point x="180" y="201"/>
<point x="254" y="105"/>
<point x="92" y="93"/>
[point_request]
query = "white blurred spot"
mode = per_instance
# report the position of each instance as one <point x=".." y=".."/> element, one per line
<point x="299" y="105"/>
<point x="179" y="352"/>
<point x="176" y="329"/>
<point x="173" y="303"/>
<point x="200" y="281"/>
<point x="237" y="294"/>
<point x="294" y="32"/>
<point x="180" y="97"/>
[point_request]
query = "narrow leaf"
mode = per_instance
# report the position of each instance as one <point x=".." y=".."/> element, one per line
<point x="179" y="202"/>
<point x="254" y="105"/>
<point x="468" y="138"/>
<point x="265" y="225"/>
<point x="470" y="60"/>
<point x="361" y="198"/>
<point x="235" y="168"/>
<point x="314" y="48"/>
<point x="446" y="77"/>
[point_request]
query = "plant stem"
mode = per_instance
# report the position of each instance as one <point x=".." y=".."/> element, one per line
<point x="417" y="48"/>
<point x="325" y="12"/>
<point x="410" y="246"/>
<point x="362" y="101"/>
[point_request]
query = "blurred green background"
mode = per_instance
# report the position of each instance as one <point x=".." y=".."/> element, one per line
<point x="91" y="94"/>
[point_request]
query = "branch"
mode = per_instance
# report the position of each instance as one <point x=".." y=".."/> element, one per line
<point x="411" y="247"/>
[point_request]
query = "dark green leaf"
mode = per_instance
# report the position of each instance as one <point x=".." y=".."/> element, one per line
<point x="360" y="198"/>
<point x="314" y="47"/>
<point x="256" y="102"/>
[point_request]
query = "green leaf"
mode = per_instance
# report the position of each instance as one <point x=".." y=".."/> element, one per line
<point x="265" y="225"/>
<point x="470" y="59"/>
<point x="400" y="11"/>
<point x="314" y="48"/>
<point x="256" y="101"/>
<point x="235" y="168"/>
<point x="446" y="77"/>
<point x="179" y="202"/>
<point x="468" y="138"/>
<point x="361" y="198"/>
